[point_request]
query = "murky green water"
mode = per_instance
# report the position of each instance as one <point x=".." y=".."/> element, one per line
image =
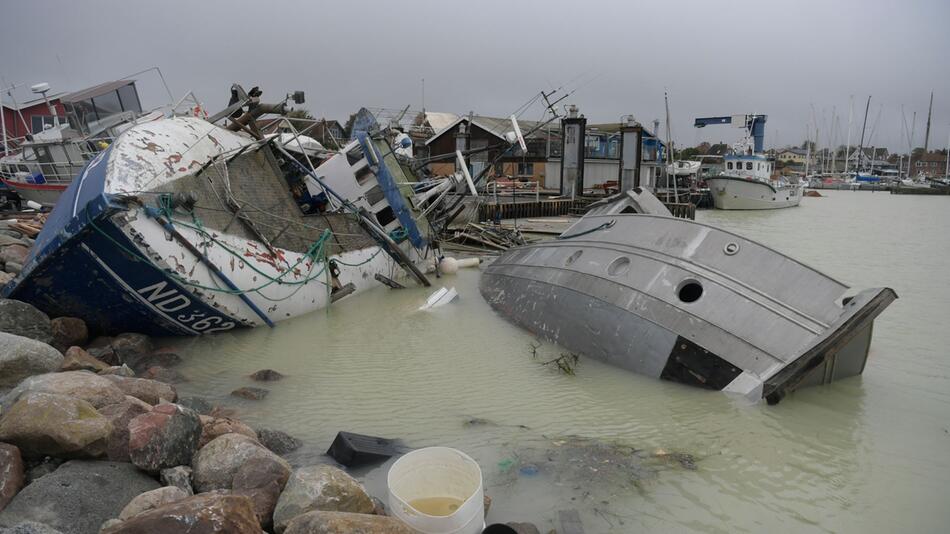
<point x="868" y="454"/>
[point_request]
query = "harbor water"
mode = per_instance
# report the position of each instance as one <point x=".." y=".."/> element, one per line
<point x="629" y="453"/>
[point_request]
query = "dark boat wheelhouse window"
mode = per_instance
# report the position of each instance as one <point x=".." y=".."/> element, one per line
<point x="129" y="98"/>
<point x="729" y="165"/>
<point x="748" y="165"/>
<point x="107" y="104"/>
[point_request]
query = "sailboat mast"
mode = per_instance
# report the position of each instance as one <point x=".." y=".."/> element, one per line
<point x="669" y="143"/>
<point x="929" y="113"/>
<point x="847" y="150"/>
<point x="863" y="128"/>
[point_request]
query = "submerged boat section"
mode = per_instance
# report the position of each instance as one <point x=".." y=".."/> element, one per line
<point x="686" y="302"/>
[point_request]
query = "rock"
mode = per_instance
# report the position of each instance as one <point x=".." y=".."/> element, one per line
<point x="118" y="370"/>
<point x="261" y="472"/>
<point x="151" y="500"/>
<point x="161" y="374"/>
<point x="21" y="357"/>
<point x="14" y="254"/>
<point x="77" y="359"/>
<point x="90" y="387"/>
<point x="217" y="462"/>
<point x="278" y="442"/>
<point x="212" y="427"/>
<point x="12" y="267"/>
<point x="320" y="487"/>
<point x="41" y="468"/>
<point x="12" y="473"/>
<point x="30" y="527"/>
<point x="130" y="347"/>
<point x="261" y="479"/>
<point x="56" y="425"/>
<point x="22" y="319"/>
<point x="150" y="391"/>
<point x="68" y="331"/>
<point x="159" y="358"/>
<point x="110" y="523"/>
<point x="250" y="393"/>
<point x="266" y="375"/>
<point x="524" y="528"/>
<point x="120" y="414"/>
<point x="199" y="404"/>
<point x="79" y="496"/>
<point x="208" y="513"/>
<point x="5" y="277"/>
<point x="101" y="348"/>
<point x="179" y="476"/>
<point x="321" y="522"/>
<point x="167" y="436"/>
<point x="379" y="507"/>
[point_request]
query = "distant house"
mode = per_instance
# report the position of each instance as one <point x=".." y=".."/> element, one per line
<point x="795" y="156"/>
<point x="929" y="164"/>
<point x="868" y="157"/>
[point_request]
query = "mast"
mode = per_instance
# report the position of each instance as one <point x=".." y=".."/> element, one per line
<point x="946" y="172"/>
<point x="847" y="150"/>
<point x="669" y="142"/>
<point x="929" y="113"/>
<point x="3" y="124"/>
<point x="863" y="128"/>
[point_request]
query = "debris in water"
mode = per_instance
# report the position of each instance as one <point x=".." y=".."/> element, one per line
<point x="357" y="449"/>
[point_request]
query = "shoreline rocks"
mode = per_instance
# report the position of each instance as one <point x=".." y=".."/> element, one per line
<point x="79" y="496"/>
<point x="320" y="488"/>
<point x="22" y="319"/>
<point x="90" y="387"/>
<point x="250" y="393"/>
<point x="56" y="425"/>
<point x="68" y="332"/>
<point x="22" y="357"/>
<point x="167" y="436"/>
<point x="150" y="391"/>
<point x="207" y="513"/>
<point x="216" y="463"/>
<point x="12" y="473"/>
<point x="76" y="359"/>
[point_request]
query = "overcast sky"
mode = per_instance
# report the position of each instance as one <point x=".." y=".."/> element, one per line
<point x="724" y="57"/>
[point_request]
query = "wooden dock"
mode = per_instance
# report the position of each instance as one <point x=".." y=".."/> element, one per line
<point x="898" y="190"/>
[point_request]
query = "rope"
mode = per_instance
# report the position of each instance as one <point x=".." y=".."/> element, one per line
<point x="604" y="226"/>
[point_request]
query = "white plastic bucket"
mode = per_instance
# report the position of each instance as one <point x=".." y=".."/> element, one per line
<point x="437" y="472"/>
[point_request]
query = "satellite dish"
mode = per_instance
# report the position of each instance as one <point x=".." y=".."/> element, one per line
<point x="468" y="177"/>
<point x="521" y="143"/>
<point x="40" y="88"/>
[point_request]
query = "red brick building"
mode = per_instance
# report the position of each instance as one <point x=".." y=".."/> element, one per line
<point x="929" y="164"/>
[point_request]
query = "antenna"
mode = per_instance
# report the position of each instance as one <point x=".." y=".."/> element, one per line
<point x="465" y="173"/>
<point x="521" y="143"/>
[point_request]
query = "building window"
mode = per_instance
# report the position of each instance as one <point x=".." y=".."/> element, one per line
<point x="526" y="169"/>
<point x="41" y="122"/>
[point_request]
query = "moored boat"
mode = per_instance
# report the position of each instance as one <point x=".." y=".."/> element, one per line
<point x="745" y="184"/>
<point x="686" y="302"/>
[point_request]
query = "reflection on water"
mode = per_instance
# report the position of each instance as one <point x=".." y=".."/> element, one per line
<point x="631" y="453"/>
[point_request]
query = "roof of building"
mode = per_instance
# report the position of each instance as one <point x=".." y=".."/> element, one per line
<point x="932" y="156"/>
<point x="33" y="102"/>
<point x="438" y="120"/>
<point x="94" y="91"/>
<point x="793" y="150"/>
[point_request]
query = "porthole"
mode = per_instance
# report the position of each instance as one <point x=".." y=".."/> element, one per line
<point x="573" y="257"/>
<point x="689" y="291"/>
<point x="731" y="248"/>
<point x="619" y="266"/>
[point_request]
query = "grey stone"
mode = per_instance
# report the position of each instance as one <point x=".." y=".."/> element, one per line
<point x="120" y="414"/>
<point x="12" y="267"/>
<point x="12" y="473"/>
<point x="151" y="500"/>
<point x="179" y="476"/>
<point x="41" y="468"/>
<point x="30" y="527"/>
<point x="79" y="496"/>
<point x="266" y="375"/>
<point x="55" y="425"/>
<point x="278" y="442"/>
<point x="323" y="522"/>
<point x="22" y="319"/>
<point x="199" y="404"/>
<point x="320" y="487"/>
<point x="21" y="357"/>
<point x="217" y="462"/>
<point x="250" y="393"/>
<point x="90" y="387"/>
<point x="129" y="347"/>
<point x="118" y="370"/>
<point x="167" y="436"/>
<point x="150" y="391"/>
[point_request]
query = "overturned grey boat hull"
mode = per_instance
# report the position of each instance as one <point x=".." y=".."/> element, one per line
<point x="686" y="302"/>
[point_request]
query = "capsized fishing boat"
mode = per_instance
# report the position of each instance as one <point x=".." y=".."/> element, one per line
<point x="687" y="302"/>
<point x="183" y="226"/>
